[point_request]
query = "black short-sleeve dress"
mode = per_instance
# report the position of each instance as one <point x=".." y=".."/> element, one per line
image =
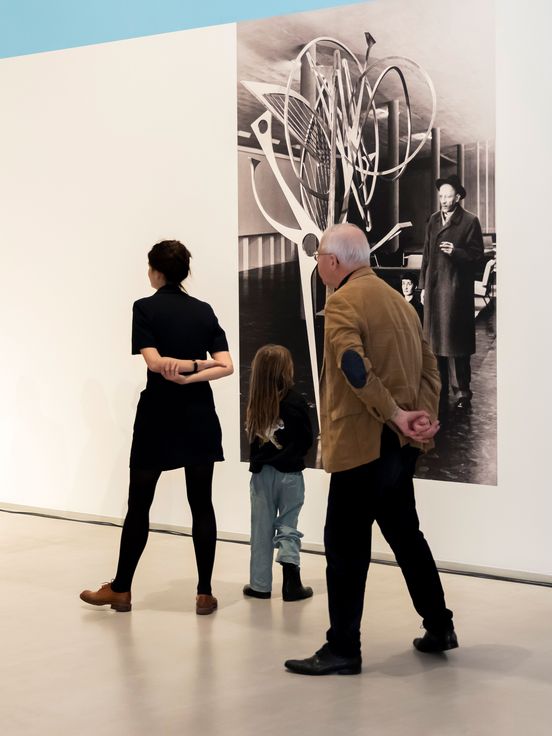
<point x="175" y="425"/>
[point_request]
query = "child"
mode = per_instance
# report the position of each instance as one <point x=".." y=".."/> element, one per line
<point x="280" y="433"/>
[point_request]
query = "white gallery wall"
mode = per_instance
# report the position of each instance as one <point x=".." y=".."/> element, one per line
<point x="106" y="149"/>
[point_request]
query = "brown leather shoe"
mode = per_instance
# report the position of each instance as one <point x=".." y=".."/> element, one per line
<point x="105" y="597"/>
<point x="205" y="604"/>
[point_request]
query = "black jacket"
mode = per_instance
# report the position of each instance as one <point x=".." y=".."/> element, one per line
<point x="295" y="439"/>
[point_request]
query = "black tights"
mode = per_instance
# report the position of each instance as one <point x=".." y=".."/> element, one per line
<point x="136" y="527"/>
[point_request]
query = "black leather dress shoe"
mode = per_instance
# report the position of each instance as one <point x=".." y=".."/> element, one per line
<point x="433" y="643"/>
<point x="248" y="590"/>
<point x="323" y="662"/>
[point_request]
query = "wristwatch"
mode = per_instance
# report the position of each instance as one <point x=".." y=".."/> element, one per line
<point x="196" y="366"/>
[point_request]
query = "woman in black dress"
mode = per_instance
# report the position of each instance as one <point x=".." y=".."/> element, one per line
<point x="176" y="424"/>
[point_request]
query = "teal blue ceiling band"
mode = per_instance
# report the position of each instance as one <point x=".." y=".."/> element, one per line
<point x="32" y="26"/>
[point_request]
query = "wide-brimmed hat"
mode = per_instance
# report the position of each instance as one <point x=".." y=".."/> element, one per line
<point x="454" y="181"/>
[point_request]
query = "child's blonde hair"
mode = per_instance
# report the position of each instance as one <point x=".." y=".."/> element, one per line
<point x="271" y="379"/>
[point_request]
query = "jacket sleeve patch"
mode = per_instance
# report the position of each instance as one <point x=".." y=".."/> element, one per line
<point x="352" y="366"/>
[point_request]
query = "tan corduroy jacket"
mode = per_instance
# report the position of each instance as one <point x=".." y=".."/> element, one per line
<point x="368" y="316"/>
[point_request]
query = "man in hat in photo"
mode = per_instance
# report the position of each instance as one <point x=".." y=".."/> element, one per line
<point x="453" y="246"/>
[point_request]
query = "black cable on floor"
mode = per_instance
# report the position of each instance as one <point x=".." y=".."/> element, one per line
<point x="390" y="563"/>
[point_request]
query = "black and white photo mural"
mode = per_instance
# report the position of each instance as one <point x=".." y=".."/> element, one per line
<point x="380" y="114"/>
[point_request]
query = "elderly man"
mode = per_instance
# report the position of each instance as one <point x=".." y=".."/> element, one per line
<point x="452" y="247"/>
<point x="379" y="396"/>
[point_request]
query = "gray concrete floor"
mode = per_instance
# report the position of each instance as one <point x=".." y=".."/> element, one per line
<point x="68" y="668"/>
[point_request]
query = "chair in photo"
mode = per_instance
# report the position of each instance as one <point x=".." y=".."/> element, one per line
<point x="485" y="290"/>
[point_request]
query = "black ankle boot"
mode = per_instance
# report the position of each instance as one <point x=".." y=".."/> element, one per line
<point x="292" y="587"/>
<point x="248" y="590"/>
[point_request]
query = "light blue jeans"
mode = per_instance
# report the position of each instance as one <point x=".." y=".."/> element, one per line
<point x="276" y="500"/>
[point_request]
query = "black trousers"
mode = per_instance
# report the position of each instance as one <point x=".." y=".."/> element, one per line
<point x="381" y="491"/>
<point x="199" y="479"/>
<point x="455" y="373"/>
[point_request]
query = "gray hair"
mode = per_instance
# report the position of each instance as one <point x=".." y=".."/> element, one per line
<point x="348" y="243"/>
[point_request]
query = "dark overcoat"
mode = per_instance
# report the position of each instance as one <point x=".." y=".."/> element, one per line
<point x="448" y="280"/>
